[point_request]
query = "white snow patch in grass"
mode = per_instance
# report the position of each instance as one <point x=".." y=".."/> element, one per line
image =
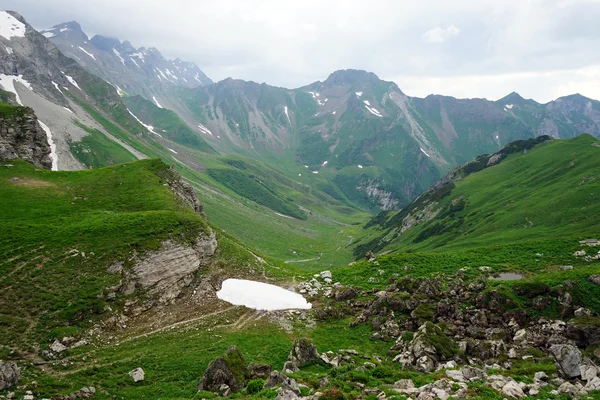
<point x="374" y="111"/>
<point x="260" y="296"/>
<point x="119" y="55"/>
<point x="315" y="172"/>
<point x="7" y="82"/>
<point x="89" y="54"/>
<point x="324" y="163"/>
<point x="497" y="137"/>
<point x="358" y="94"/>
<point x="509" y="106"/>
<point x="73" y="82"/>
<point x="150" y="128"/>
<point x="204" y="129"/>
<point x="424" y="152"/>
<point x="171" y="150"/>
<point x="120" y="91"/>
<point x="306" y="166"/>
<point x="69" y="110"/>
<point x="367" y="102"/>
<point x="360" y="166"/>
<point x="299" y="174"/>
<point x="10" y="27"/>
<point x="53" y="155"/>
<point x="334" y="112"/>
<point x="49" y="34"/>
<point x="156" y="102"/>
<point x="286" y="114"/>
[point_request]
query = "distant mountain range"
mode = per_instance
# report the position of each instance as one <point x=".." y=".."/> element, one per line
<point x="353" y="136"/>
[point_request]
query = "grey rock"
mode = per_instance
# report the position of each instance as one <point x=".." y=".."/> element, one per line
<point x="21" y="136"/>
<point x="540" y="376"/>
<point x="303" y="351"/>
<point x="278" y="379"/>
<point x="588" y="371"/>
<point x="404" y="384"/>
<point x="472" y="373"/>
<point x="567" y="360"/>
<point x="286" y="395"/>
<point x="572" y="389"/>
<point x="512" y="389"/>
<point x="137" y="374"/>
<point x="230" y="370"/>
<point x="57" y="347"/>
<point x="593" y="384"/>
<point x="9" y="374"/>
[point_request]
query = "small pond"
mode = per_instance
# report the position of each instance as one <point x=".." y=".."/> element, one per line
<point x="506" y="276"/>
<point x="260" y="296"/>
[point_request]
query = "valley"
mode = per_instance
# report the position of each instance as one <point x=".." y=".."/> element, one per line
<point x="428" y="247"/>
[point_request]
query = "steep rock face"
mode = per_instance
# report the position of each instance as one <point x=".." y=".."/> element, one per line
<point x="21" y="136"/>
<point x="166" y="271"/>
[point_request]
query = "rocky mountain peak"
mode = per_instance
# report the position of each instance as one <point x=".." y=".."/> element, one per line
<point x="105" y="43"/>
<point x="71" y="30"/>
<point x="350" y="77"/>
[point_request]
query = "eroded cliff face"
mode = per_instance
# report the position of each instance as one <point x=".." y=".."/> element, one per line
<point x="21" y="136"/>
<point x="165" y="272"/>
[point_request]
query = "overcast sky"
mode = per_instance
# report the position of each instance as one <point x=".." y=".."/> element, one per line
<point x="542" y="49"/>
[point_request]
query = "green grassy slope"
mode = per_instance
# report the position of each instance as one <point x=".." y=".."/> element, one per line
<point x="552" y="191"/>
<point x="60" y="231"/>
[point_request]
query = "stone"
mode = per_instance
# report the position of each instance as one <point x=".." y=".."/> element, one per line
<point x="540" y="376"/>
<point x="57" y="347"/>
<point x="572" y="389"/>
<point x="260" y="371"/>
<point x="230" y="369"/>
<point x="9" y="375"/>
<point x="403" y="384"/>
<point x="512" y="389"/>
<point x="588" y="372"/>
<point x="455" y="375"/>
<point x="567" y="360"/>
<point x="472" y="373"/>
<point x="593" y="384"/>
<point x="594" y="279"/>
<point x="277" y="378"/>
<point x="286" y="395"/>
<point x="303" y="351"/>
<point x="21" y="136"/>
<point x="325" y="275"/>
<point x="582" y="312"/>
<point x="137" y="374"/>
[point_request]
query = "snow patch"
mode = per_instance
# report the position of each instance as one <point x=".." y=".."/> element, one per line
<point x="9" y="50"/>
<point x="334" y="112"/>
<point x="509" y="106"/>
<point x="69" y="110"/>
<point x="53" y="155"/>
<point x="119" y="55"/>
<point x="197" y="77"/>
<point x="49" y="34"/>
<point x="284" y="216"/>
<point x="150" y="128"/>
<point x="7" y="82"/>
<point x="260" y="296"/>
<point x="136" y="64"/>
<point x="324" y="163"/>
<point x="120" y="91"/>
<point x="56" y="86"/>
<point x="315" y="172"/>
<point x="156" y="102"/>
<point x="138" y="55"/>
<point x="367" y="102"/>
<point x="86" y="52"/>
<point x="65" y="29"/>
<point x="204" y="129"/>
<point x="171" y="150"/>
<point x="286" y="114"/>
<point x="374" y="111"/>
<point x="10" y="27"/>
<point x="360" y="166"/>
<point x="73" y="82"/>
<point x="358" y="94"/>
<point x="424" y="152"/>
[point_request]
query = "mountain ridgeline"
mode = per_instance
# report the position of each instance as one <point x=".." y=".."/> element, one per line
<point x="529" y="190"/>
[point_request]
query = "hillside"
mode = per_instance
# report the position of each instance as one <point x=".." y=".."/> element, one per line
<point x="530" y="190"/>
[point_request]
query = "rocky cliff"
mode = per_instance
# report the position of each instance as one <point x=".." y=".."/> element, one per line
<point x="21" y="136"/>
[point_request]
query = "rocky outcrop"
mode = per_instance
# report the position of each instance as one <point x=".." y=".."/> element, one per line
<point x="167" y="271"/>
<point x="567" y="360"/>
<point x="9" y="375"/>
<point x="302" y="352"/>
<point x="230" y="370"/>
<point x="183" y="190"/>
<point x="21" y="136"/>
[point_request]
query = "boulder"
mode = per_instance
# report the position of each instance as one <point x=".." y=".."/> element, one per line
<point x="572" y="389"/>
<point x="588" y="371"/>
<point x="259" y="371"/>
<point x="9" y="375"/>
<point x="540" y="376"/>
<point x="455" y="375"/>
<point x="512" y="389"/>
<point x="346" y="293"/>
<point x="286" y="395"/>
<point x="593" y="384"/>
<point x="302" y="352"/>
<point x="594" y="279"/>
<point x="276" y="378"/>
<point x="567" y="359"/>
<point x="137" y="374"/>
<point x="230" y="370"/>
<point x="472" y="373"/>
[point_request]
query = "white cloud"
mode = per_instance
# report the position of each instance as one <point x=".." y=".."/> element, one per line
<point x="440" y="35"/>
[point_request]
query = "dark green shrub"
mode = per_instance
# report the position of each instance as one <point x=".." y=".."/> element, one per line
<point x="255" y="386"/>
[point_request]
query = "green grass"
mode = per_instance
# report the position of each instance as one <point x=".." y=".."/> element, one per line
<point x="62" y="229"/>
<point x="96" y="150"/>
<point x="551" y="192"/>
